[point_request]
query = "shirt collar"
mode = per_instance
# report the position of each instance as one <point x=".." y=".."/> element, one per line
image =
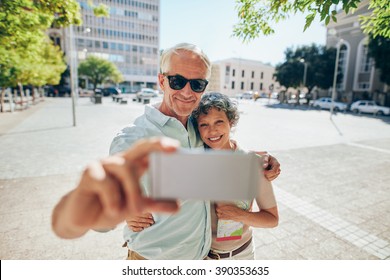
<point x="153" y="114"/>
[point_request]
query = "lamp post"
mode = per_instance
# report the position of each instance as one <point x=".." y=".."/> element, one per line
<point x="304" y="71"/>
<point x="336" y="66"/>
<point x="302" y="60"/>
<point x="74" y="82"/>
<point x="73" y="72"/>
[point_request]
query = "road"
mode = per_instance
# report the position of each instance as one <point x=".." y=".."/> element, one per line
<point x="333" y="193"/>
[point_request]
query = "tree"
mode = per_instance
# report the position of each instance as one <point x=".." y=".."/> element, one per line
<point x="101" y="10"/>
<point x="320" y="67"/>
<point x="27" y="56"/>
<point x="379" y="50"/>
<point x="255" y="16"/>
<point x="99" y="70"/>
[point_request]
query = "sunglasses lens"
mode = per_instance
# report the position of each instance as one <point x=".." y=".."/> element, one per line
<point x="177" y="82"/>
<point x="198" y="85"/>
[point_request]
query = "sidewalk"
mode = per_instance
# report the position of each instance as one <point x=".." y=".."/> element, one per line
<point x="333" y="193"/>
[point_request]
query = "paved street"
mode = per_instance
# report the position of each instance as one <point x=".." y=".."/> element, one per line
<point x="333" y="193"/>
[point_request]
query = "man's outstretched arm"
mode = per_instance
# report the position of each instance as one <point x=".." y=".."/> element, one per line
<point x="109" y="191"/>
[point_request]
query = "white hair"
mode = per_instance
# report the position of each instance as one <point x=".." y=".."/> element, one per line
<point x="167" y="54"/>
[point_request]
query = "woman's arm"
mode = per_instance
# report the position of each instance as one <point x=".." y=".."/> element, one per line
<point x="264" y="218"/>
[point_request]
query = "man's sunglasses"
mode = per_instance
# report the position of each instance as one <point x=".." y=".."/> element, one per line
<point x="178" y="82"/>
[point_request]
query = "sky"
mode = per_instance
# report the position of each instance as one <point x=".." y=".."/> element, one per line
<point x="209" y="24"/>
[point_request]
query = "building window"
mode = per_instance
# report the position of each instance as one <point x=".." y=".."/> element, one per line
<point x="253" y="74"/>
<point x="251" y="85"/>
<point x="342" y="67"/>
<point x="363" y="85"/>
<point x="243" y="73"/>
<point x="261" y="75"/>
<point x="227" y="70"/>
<point x="364" y="67"/>
<point x="366" y="61"/>
<point x="261" y="86"/>
<point x="234" y="72"/>
<point x="232" y="84"/>
<point x="80" y="43"/>
<point x="242" y="85"/>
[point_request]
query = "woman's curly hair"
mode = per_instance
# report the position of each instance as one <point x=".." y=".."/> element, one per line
<point x="219" y="101"/>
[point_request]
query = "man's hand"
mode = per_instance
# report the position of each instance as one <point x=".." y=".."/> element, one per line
<point x="140" y="222"/>
<point x="109" y="191"/>
<point x="271" y="166"/>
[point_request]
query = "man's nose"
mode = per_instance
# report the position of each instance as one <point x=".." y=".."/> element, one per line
<point x="187" y="90"/>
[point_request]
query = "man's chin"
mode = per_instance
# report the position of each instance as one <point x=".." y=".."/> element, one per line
<point x="185" y="111"/>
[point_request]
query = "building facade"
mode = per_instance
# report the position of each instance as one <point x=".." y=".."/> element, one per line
<point x="236" y="75"/>
<point x="129" y="38"/>
<point x="359" y="77"/>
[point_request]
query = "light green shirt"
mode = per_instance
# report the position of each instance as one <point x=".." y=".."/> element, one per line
<point x="185" y="235"/>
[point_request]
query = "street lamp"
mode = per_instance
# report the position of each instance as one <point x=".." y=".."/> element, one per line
<point x="73" y="72"/>
<point x="302" y="60"/>
<point x="304" y="71"/>
<point x="73" y="69"/>
<point x="336" y="66"/>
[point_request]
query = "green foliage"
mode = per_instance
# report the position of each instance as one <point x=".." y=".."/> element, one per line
<point x="378" y="23"/>
<point x="62" y="13"/>
<point x="379" y="49"/>
<point x="101" y="10"/>
<point x="99" y="70"/>
<point x="255" y="16"/>
<point x="27" y="56"/>
<point x="320" y="67"/>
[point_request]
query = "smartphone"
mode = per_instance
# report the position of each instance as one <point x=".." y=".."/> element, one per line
<point x="204" y="175"/>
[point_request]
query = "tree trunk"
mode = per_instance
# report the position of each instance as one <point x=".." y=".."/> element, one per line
<point x="2" y="100"/>
<point x="41" y="93"/>
<point x="21" y="95"/>
<point x="33" y="95"/>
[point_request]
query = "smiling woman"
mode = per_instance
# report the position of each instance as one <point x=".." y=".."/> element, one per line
<point x="230" y="222"/>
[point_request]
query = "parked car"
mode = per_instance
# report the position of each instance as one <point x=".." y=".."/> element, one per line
<point x="247" y="95"/>
<point x="85" y="92"/>
<point x="58" y="91"/>
<point x="111" y="91"/>
<point x="146" y="93"/>
<point x="368" y="106"/>
<point x="326" y="103"/>
<point x="238" y="96"/>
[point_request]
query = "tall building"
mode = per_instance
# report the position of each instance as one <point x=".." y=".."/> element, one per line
<point x="360" y="78"/>
<point x="129" y="37"/>
<point x="237" y="75"/>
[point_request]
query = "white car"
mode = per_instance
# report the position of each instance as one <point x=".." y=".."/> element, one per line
<point x="146" y="93"/>
<point x="326" y="103"/>
<point x="247" y="95"/>
<point x="368" y="106"/>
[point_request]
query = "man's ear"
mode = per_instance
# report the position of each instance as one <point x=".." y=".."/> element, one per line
<point x="161" y="81"/>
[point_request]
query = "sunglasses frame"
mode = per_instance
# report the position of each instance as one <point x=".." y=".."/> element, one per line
<point x="169" y="77"/>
